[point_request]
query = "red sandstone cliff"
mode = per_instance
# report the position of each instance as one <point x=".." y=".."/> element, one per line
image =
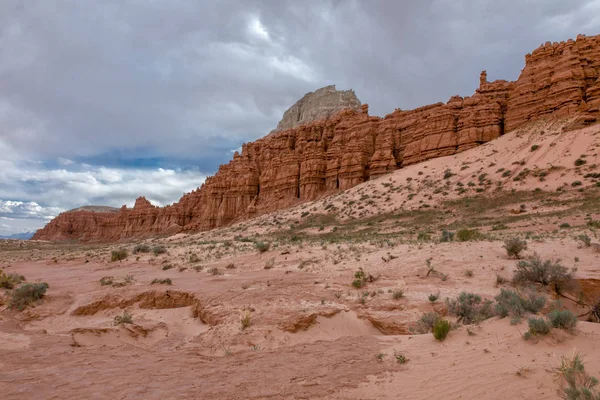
<point x="320" y="157"/>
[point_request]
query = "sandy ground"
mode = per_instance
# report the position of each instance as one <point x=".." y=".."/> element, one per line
<point x="310" y="334"/>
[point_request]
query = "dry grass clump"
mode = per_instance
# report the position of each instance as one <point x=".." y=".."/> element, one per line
<point x="118" y="255"/>
<point x="27" y="294"/>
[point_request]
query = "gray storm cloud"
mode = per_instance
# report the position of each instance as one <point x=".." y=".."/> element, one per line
<point x="188" y="81"/>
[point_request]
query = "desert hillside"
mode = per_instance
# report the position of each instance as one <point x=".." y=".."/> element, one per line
<point x="344" y="297"/>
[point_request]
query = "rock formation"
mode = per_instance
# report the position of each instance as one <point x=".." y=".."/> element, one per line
<point x="320" y="104"/>
<point x="327" y="142"/>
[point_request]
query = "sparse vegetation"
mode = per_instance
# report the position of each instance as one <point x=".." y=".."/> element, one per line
<point x="446" y="236"/>
<point x="125" y="318"/>
<point x="585" y="240"/>
<point x="157" y="250"/>
<point x="469" y="308"/>
<point x="270" y="263"/>
<point x="466" y="235"/>
<point x="577" y="383"/>
<point x="9" y="281"/>
<point x="433" y="297"/>
<point x="579" y="162"/>
<point x="164" y="281"/>
<point x="514" y="247"/>
<point x="262" y="246"/>
<point x="214" y="271"/>
<point x="246" y="320"/>
<point x="141" y="248"/>
<point x="562" y="319"/>
<point x="397" y="294"/>
<point x="118" y="255"/>
<point x="541" y="271"/>
<point x="538" y="326"/>
<point x="440" y="329"/>
<point x="27" y="294"/>
<point x="509" y="302"/>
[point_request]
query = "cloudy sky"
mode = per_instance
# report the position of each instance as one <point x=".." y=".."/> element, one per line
<point x="105" y="100"/>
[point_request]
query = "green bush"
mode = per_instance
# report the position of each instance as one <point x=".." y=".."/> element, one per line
<point x="118" y="255"/>
<point x="141" y="248"/>
<point x="564" y="319"/>
<point x="509" y="302"/>
<point x="26" y="294"/>
<point x="440" y="329"/>
<point x="469" y="308"/>
<point x="156" y="250"/>
<point x="514" y="247"/>
<point x="466" y="235"/>
<point x="538" y="326"/>
<point x="540" y="271"/>
<point x="262" y="246"/>
<point x="579" y="162"/>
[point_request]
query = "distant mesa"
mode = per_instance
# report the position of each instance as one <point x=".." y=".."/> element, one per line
<point x="328" y="142"/>
<point x="320" y="104"/>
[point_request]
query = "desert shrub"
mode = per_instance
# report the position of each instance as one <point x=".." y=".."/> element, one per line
<point x="194" y="258"/>
<point x="230" y="266"/>
<point x="446" y="236"/>
<point x="126" y="318"/>
<point x="585" y="240"/>
<point x="262" y="246"/>
<point x="141" y="248"/>
<point x="514" y="247"/>
<point x="397" y="294"/>
<point x="534" y="147"/>
<point x="165" y="281"/>
<point x="106" y="280"/>
<point x="468" y="273"/>
<point x="579" y="162"/>
<point x="426" y="322"/>
<point x="400" y="358"/>
<point x="433" y="297"/>
<point x="448" y="174"/>
<point x="27" y="294"/>
<point x="167" y="267"/>
<point x="469" y="308"/>
<point x="118" y="255"/>
<point x="156" y="250"/>
<point x="423" y="237"/>
<point x="270" y="263"/>
<point x="440" y="329"/>
<point x="538" y="326"/>
<point x="564" y="225"/>
<point x="509" y="302"/>
<point x="465" y="235"/>
<point x="562" y="319"/>
<point x="578" y="384"/>
<point x="246" y="320"/>
<point x="214" y="271"/>
<point x="500" y="280"/>
<point x="358" y="283"/>
<point x="9" y="281"/>
<point x="540" y="271"/>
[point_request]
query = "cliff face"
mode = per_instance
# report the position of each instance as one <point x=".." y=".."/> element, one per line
<point x="328" y="142"/>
